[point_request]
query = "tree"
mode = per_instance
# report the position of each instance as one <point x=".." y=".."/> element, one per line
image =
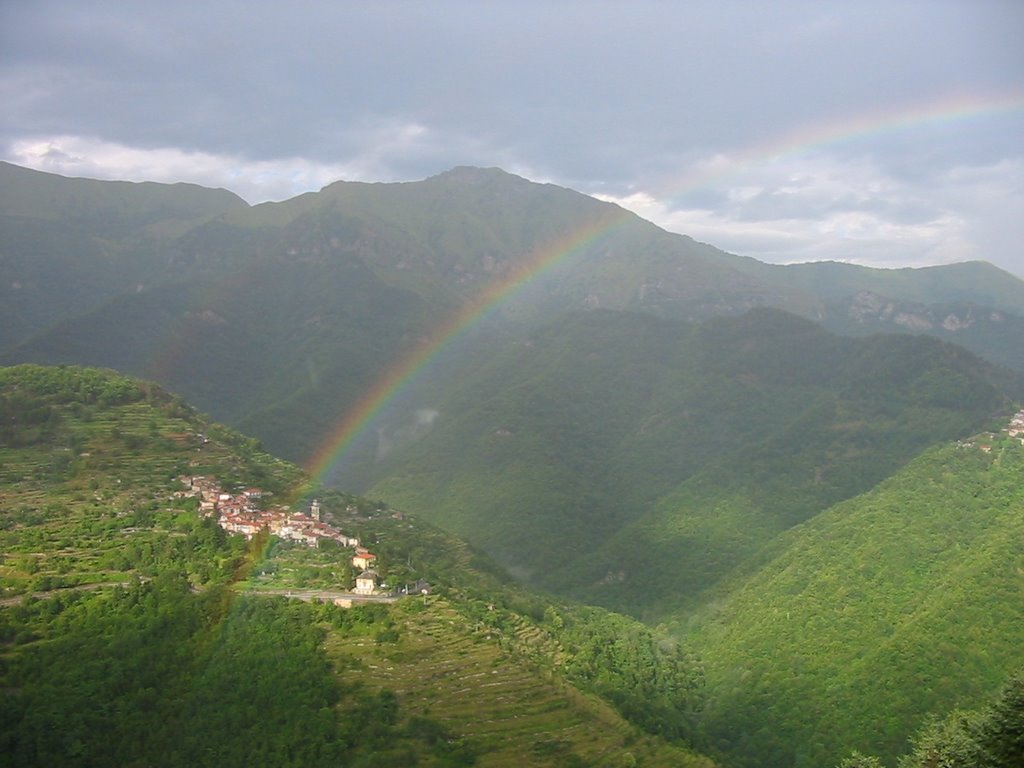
<point x="857" y="760"/>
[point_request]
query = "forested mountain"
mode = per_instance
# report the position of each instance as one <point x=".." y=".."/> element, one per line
<point x="904" y="601"/>
<point x="315" y="298"/>
<point x="67" y="245"/>
<point x="646" y="459"/>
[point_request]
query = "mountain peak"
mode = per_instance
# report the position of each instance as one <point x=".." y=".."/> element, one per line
<point x="471" y="175"/>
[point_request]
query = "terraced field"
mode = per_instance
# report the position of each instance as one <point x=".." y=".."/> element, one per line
<point x="89" y="480"/>
<point x="507" y="710"/>
<point x="65" y="509"/>
<point x="87" y="489"/>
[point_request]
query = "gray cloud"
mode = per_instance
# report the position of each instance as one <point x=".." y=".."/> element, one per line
<point x="682" y="102"/>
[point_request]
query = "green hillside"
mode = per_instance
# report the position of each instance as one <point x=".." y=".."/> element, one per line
<point x="89" y="463"/>
<point x="68" y="245"/>
<point x="899" y="603"/>
<point x="989" y="736"/>
<point x="134" y="631"/>
<point x="635" y="461"/>
<point x="273" y="361"/>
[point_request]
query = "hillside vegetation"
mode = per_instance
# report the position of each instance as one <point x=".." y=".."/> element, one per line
<point x="68" y="245"/>
<point x="136" y="632"/>
<point x="898" y="603"/>
<point x="645" y="459"/>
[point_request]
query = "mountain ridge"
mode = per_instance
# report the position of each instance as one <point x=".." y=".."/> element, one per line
<point x="421" y="250"/>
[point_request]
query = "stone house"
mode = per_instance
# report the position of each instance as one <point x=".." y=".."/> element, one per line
<point x="363" y="560"/>
<point x="366" y="582"/>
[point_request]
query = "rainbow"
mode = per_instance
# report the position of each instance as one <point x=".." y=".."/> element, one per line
<point x="429" y="346"/>
<point x="356" y="420"/>
<point x="949" y="110"/>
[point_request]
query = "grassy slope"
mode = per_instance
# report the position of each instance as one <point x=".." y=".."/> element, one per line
<point x="899" y="603"/>
<point x="89" y="462"/>
<point x="501" y="705"/>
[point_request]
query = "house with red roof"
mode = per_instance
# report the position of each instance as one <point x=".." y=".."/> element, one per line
<point x="363" y="560"/>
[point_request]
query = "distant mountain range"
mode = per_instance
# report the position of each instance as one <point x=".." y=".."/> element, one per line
<point x="313" y="298"/>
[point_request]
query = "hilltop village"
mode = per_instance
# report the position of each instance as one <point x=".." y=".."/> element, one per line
<point x="987" y="440"/>
<point x="1016" y="428"/>
<point x="246" y="514"/>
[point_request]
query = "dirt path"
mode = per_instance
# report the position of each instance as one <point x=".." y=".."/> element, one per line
<point x="325" y="595"/>
<point x="51" y="592"/>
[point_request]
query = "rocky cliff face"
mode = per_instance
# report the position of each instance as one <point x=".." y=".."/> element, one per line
<point x="992" y="333"/>
<point x="867" y="308"/>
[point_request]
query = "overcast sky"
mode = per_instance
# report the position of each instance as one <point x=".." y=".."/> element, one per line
<point x="885" y="133"/>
